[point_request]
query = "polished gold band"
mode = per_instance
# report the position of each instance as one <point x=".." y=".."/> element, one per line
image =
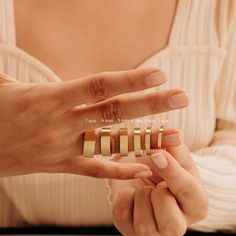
<point x="90" y="138"/>
<point x="160" y="137"/>
<point x="148" y="140"/>
<point x="89" y="143"/>
<point x="137" y="142"/>
<point x="123" y="141"/>
<point x="106" y="141"/>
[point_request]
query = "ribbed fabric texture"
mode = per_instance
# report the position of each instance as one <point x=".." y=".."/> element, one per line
<point x="201" y="58"/>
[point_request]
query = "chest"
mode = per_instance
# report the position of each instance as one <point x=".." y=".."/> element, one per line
<point x="76" y="38"/>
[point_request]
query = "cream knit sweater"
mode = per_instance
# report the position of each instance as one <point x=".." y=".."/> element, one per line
<point x="201" y="58"/>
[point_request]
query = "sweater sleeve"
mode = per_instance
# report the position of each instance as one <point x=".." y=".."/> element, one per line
<point x="217" y="163"/>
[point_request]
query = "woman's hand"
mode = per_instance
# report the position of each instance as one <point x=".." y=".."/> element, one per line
<point x="177" y="200"/>
<point x="42" y="125"/>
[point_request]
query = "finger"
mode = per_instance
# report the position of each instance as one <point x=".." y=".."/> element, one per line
<point x="100" y="168"/>
<point x="117" y="110"/>
<point x="122" y="211"/>
<point x="171" y="136"/>
<point x="105" y="85"/>
<point x="178" y="150"/>
<point x="70" y="145"/>
<point x="144" y="218"/>
<point x="170" y="220"/>
<point x="187" y="189"/>
<point x="181" y="153"/>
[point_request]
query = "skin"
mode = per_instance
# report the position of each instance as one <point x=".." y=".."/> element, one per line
<point x="46" y="132"/>
<point x="112" y="36"/>
<point x="165" y="203"/>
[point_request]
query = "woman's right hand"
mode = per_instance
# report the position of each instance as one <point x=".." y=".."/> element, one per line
<point x="42" y="125"/>
<point x="168" y="202"/>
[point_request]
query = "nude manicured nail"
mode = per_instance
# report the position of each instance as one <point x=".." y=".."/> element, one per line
<point x="160" y="160"/>
<point x="145" y="173"/>
<point x="172" y="139"/>
<point x="156" y="78"/>
<point x="178" y="100"/>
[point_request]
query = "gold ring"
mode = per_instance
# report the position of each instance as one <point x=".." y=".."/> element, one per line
<point x="106" y="141"/>
<point x="89" y="143"/>
<point x="137" y="142"/>
<point x="123" y="142"/>
<point x="148" y="140"/>
<point x="159" y="137"/>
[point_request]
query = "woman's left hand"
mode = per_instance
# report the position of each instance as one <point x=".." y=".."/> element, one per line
<point x="168" y="208"/>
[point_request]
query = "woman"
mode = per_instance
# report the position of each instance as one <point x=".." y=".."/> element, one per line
<point x="78" y="38"/>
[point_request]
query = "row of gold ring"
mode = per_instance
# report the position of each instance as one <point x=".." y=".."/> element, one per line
<point x="89" y="141"/>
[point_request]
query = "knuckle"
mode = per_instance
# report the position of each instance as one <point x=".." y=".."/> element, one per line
<point x="117" y="171"/>
<point x="131" y="81"/>
<point x="156" y="104"/>
<point x="187" y="191"/>
<point x="113" y="111"/>
<point x="201" y="211"/>
<point x="97" y="171"/>
<point x="120" y="212"/>
<point x="157" y="191"/>
<point x="98" y="88"/>
<point x="146" y="190"/>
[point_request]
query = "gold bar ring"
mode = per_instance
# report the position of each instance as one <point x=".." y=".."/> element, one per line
<point x="137" y="142"/>
<point x="89" y="143"/>
<point x="106" y="141"/>
<point x="160" y="136"/>
<point x="123" y="141"/>
<point x="148" y="140"/>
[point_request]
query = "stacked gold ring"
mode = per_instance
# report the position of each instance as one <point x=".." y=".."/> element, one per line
<point x="148" y="132"/>
<point x="137" y="142"/>
<point x="159" y="137"/>
<point x="89" y="143"/>
<point x="106" y="141"/>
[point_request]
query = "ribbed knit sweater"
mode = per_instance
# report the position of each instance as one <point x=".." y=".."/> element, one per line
<point x="201" y="58"/>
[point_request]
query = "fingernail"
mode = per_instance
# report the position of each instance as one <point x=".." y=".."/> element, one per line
<point x="178" y="100"/>
<point x="145" y="173"/>
<point x="160" y="160"/>
<point x="172" y="139"/>
<point x="156" y="78"/>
